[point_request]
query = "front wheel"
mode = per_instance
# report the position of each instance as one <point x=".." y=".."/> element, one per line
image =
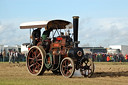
<point x="67" y="67"/>
<point x="86" y="67"/>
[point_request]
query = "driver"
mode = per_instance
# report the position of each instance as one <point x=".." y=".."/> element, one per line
<point x="36" y="36"/>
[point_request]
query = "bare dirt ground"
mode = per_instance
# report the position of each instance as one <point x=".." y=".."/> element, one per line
<point x="109" y="73"/>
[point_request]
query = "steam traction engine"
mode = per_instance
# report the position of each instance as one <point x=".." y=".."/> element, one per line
<point x="59" y="54"/>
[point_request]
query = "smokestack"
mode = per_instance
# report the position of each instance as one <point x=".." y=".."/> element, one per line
<point x="75" y="30"/>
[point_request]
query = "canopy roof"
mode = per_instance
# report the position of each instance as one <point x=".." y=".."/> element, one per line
<point x="59" y="24"/>
<point x="53" y="24"/>
<point x="35" y="24"/>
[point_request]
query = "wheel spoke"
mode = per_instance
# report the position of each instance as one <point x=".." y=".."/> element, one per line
<point x="65" y="62"/>
<point x="68" y="62"/>
<point x="68" y="72"/>
<point x="38" y="64"/>
<point x="33" y="69"/>
<point x="33" y="54"/>
<point x="89" y="71"/>
<point x="63" y="66"/>
<point x="31" y="51"/>
<point x="39" y="59"/>
<point x="31" y="62"/>
<point x="69" y="65"/>
<point x="38" y="55"/>
<point x="36" y="52"/>
<point x="31" y="58"/>
<point x="35" y="66"/>
<point x="31" y="65"/>
<point x="38" y="68"/>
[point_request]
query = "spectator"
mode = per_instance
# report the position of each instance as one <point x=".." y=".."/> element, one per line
<point x="10" y="56"/>
<point x="104" y="57"/>
<point x="99" y="57"/>
<point x="114" y="56"/>
<point x="1" y="57"/>
<point x="93" y="57"/>
<point x="117" y="57"/>
<point x="4" y="55"/>
<point x="126" y="58"/>
<point x="108" y="59"/>
<point x="90" y="55"/>
<point x="15" y="54"/>
<point x="121" y="58"/>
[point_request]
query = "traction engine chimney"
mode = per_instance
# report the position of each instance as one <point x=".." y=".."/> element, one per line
<point x="75" y="30"/>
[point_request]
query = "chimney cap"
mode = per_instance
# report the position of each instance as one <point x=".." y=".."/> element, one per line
<point x="75" y="17"/>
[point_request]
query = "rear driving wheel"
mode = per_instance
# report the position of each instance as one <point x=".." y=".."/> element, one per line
<point x="35" y="58"/>
<point x="67" y="67"/>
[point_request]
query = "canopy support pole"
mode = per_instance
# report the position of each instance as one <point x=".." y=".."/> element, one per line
<point x="30" y="35"/>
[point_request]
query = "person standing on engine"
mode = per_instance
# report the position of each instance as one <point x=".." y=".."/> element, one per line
<point x="46" y="34"/>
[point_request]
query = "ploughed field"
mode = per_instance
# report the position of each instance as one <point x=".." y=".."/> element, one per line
<point x="106" y="73"/>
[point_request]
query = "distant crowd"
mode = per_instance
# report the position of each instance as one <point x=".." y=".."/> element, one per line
<point x="104" y="57"/>
<point x="15" y="56"/>
<point x="12" y="56"/>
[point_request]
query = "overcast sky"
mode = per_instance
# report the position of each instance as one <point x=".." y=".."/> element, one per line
<point x="102" y="22"/>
